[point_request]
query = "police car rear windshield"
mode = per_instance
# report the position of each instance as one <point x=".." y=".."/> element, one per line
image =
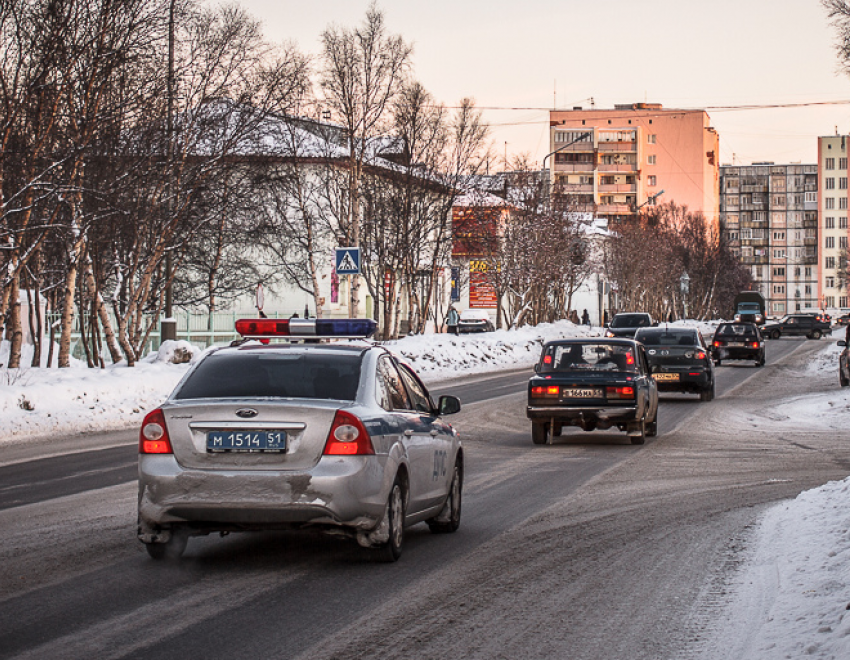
<point x="275" y="374"/>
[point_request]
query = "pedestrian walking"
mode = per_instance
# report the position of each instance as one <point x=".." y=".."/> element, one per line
<point x="585" y="318"/>
<point x="452" y="318"/>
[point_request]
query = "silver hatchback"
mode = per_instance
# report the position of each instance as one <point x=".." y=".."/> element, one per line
<point x="340" y="436"/>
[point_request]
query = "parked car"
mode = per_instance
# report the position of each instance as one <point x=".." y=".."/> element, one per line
<point x="592" y="384"/>
<point x="679" y="360"/>
<point x="844" y="365"/>
<point x="626" y="324"/>
<point x="336" y="436"/>
<point x="738" y="341"/>
<point x="474" y="320"/>
<point x="796" y="325"/>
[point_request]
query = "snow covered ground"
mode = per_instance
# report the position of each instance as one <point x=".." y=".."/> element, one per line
<point x="795" y="598"/>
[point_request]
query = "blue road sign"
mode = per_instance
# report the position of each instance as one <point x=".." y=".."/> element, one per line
<point x="347" y="261"/>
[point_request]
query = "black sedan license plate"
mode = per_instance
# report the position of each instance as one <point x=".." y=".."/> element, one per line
<point x="582" y="393"/>
<point x="237" y="441"/>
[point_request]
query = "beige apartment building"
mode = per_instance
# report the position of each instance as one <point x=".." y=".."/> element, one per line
<point x="769" y="214"/>
<point x="832" y="226"/>
<point x="617" y="161"/>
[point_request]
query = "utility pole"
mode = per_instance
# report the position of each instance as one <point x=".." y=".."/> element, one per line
<point x="168" y="326"/>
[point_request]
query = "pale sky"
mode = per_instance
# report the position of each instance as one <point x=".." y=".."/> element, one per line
<point x="680" y="53"/>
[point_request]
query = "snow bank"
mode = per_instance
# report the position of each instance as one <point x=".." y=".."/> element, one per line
<point x="46" y="402"/>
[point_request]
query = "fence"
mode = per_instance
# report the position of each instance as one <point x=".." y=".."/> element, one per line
<point x="199" y="329"/>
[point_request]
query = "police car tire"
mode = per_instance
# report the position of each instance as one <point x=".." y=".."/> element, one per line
<point x="454" y="502"/>
<point x="639" y="439"/>
<point x="172" y="549"/>
<point x="391" y="550"/>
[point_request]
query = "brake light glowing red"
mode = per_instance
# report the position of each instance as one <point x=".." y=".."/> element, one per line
<point x="545" y="391"/>
<point x="348" y="437"/>
<point x="717" y="343"/>
<point x="700" y="356"/>
<point x="630" y="359"/>
<point x="626" y="392"/>
<point x="153" y="436"/>
<point x="755" y="344"/>
<point x="547" y="359"/>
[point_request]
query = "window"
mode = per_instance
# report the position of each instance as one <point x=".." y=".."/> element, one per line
<point x="759" y="216"/>
<point x="811" y="197"/>
<point x="398" y="399"/>
<point x="830" y="164"/>
<point x="420" y="399"/>
<point x="829" y="262"/>
<point x="842" y="163"/>
<point x="842" y="183"/>
<point x="842" y="203"/>
<point x="829" y="301"/>
<point x="651" y="138"/>
<point x="779" y="307"/>
<point x="650" y="181"/>
<point x="808" y="271"/>
<point x="733" y="236"/>
<point x="842" y="301"/>
<point x="746" y="233"/>
<point x="829" y="242"/>
<point x="829" y="282"/>
<point x="650" y="160"/>
<point x="842" y="242"/>
<point x="842" y="223"/>
<point x="779" y="236"/>
<point x="829" y="223"/>
<point x="808" y="289"/>
<point x="829" y="203"/>
<point x="829" y="183"/>
<point x="779" y="254"/>
<point x="778" y="288"/>
<point x="778" y="272"/>
<point x="746" y="251"/>
<point x="779" y="200"/>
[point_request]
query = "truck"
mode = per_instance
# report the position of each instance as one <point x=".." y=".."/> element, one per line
<point x="749" y="307"/>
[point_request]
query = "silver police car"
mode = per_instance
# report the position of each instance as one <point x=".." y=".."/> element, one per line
<point x="338" y="436"/>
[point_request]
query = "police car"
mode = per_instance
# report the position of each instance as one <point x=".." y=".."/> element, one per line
<point x="341" y="436"/>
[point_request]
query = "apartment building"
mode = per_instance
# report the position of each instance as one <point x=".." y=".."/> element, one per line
<point x="769" y="214"/>
<point x="832" y="214"/>
<point x="616" y="161"/>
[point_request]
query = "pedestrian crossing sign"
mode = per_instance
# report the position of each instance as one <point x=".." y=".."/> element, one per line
<point x="347" y="261"/>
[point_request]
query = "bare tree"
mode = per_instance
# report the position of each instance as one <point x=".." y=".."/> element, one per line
<point x="362" y="72"/>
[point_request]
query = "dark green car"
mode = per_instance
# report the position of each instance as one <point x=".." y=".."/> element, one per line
<point x="593" y="384"/>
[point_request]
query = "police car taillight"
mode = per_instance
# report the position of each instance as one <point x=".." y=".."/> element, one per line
<point x="351" y="328"/>
<point x="153" y="437"/>
<point x="348" y="436"/>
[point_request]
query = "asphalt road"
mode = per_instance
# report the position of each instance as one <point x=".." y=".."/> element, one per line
<point x="588" y="548"/>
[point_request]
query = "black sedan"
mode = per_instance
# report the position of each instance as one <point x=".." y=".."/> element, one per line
<point x="627" y="324"/>
<point x="737" y="341"/>
<point x="592" y="384"/>
<point x="679" y="360"/>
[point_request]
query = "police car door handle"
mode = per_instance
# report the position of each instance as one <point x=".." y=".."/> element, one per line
<point x="408" y="432"/>
<point x="434" y="433"/>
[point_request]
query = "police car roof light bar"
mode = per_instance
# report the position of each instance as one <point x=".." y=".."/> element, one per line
<point x="303" y="328"/>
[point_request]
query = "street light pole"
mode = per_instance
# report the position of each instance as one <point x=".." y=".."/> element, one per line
<point x="168" y="326"/>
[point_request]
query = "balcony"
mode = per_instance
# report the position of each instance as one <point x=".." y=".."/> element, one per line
<point x="753" y="261"/>
<point x="617" y="188"/>
<point x="618" y="147"/>
<point x="615" y="209"/>
<point x="617" y="167"/>
<point x="574" y="167"/>
<point x="577" y="188"/>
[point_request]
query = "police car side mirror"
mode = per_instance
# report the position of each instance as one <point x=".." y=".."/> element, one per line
<point x="449" y="405"/>
<point x="842" y="343"/>
<point x="537" y="368"/>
